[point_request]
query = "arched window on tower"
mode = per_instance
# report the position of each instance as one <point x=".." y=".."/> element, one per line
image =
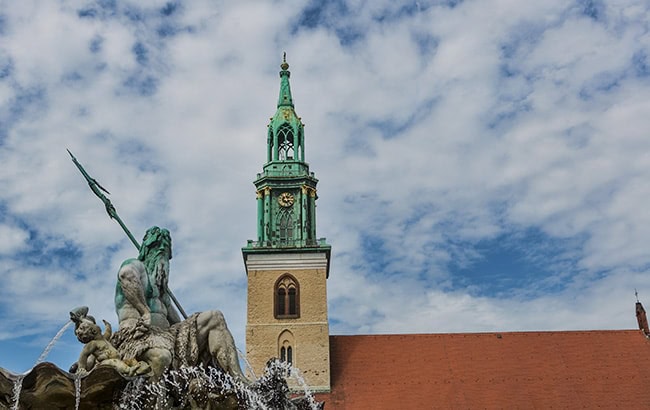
<point x="286" y="354"/>
<point x="285" y="142"/>
<point x="287" y="298"/>
<point x="286" y="344"/>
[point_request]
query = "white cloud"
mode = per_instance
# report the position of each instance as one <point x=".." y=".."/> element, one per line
<point x="12" y="239"/>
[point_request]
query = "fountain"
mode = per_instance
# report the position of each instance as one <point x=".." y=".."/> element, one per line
<point x="150" y="364"/>
<point x="15" y="392"/>
<point x="156" y="359"/>
<point x="47" y="386"/>
<point x="18" y="380"/>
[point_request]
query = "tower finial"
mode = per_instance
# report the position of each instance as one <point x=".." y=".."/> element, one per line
<point x="284" y="64"/>
<point x="636" y="294"/>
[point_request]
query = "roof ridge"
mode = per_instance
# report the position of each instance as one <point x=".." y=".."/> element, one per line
<point x="508" y="332"/>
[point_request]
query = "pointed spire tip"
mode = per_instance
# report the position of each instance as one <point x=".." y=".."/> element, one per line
<point x="284" y="66"/>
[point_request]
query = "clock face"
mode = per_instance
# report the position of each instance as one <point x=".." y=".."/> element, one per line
<point x="285" y="199"/>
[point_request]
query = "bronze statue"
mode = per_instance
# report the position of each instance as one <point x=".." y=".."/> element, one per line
<point x="98" y="350"/>
<point x="150" y="328"/>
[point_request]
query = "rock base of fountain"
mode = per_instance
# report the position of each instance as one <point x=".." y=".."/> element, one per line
<point x="47" y="386"/>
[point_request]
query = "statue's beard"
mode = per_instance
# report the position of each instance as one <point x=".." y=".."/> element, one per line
<point x="162" y="273"/>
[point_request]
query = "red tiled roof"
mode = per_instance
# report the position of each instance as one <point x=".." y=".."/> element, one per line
<point x="510" y="370"/>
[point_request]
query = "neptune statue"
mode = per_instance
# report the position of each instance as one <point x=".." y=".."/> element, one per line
<point x="151" y="330"/>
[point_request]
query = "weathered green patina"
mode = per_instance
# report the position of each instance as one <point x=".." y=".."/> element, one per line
<point x="286" y="190"/>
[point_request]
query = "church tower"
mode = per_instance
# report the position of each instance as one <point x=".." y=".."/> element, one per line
<point x="287" y="266"/>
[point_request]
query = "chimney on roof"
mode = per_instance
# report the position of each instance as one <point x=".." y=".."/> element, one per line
<point x="641" y="317"/>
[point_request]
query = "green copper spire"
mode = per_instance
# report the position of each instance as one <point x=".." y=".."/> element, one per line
<point x="286" y="189"/>
<point x="285" y="100"/>
<point x="286" y="130"/>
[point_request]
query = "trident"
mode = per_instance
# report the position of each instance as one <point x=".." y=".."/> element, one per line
<point x="112" y="213"/>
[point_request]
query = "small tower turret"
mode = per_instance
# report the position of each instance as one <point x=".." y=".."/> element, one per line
<point x="641" y="317"/>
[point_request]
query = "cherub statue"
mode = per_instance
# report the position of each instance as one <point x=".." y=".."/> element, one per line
<point x="98" y="350"/>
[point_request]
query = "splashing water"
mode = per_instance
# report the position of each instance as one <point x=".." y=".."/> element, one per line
<point x="248" y="365"/>
<point x="197" y="387"/>
<point x="77" y="391"/>
<point x="279" y="389"/>
<point x="18" y="384"/>
<point x="297" y="375"/>
<point x="50" y="345"/>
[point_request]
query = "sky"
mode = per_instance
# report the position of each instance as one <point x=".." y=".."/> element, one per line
<point x="483" y="165"/>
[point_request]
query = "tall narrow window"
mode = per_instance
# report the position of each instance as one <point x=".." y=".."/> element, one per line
<point x="287" y="298"/>
<point x="286" y="227"/>
<point x="285" y="142"/>
<point x="292" y="301"/>
<point x="282" y="299"/>
<point x="289" y="359"/>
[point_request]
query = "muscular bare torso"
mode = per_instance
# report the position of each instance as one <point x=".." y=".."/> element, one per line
<point x="137" y="296"/>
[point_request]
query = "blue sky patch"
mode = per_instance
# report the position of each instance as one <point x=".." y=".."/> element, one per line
<point x="392" y="14"/>
<point x="141" y="53"/>
<point x="71" y="78"/>
<point x="529" y="262"/>
<point x="6" y="66"/>
<point x="134" y="14"/>
<point x="96" y="44"/>
<point x="391" y="127"/>
<point x="507" y="113"/>
<point x="579" y="136"/>
<point x="349" y="35"/>
<point x="332" y="15"/>
<point x="593" y="9"/>
<point x="28" y="101"/>
<point x="374" y="253"/>
<point x="602" y="83"/>
<point x="166" y="30"/>
<point x="134" y="152"/>
<point x="88" y="12"/>
<point x="141" y="84"/>
<point x="169" y="9"/>
<point x="427" y="43"/>
<point x="641" y="64"/>
<point x="320" y="13"/>
<point x="519" y="40"/>
<point x="101" y="9"/>
<point x="50" y="251"/>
